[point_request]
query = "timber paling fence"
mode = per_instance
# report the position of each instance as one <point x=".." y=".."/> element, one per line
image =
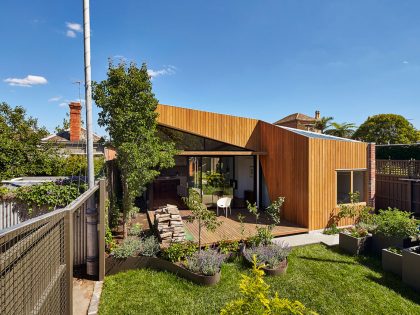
<point x="37" y="257"/>
<point x="398" y="185"/>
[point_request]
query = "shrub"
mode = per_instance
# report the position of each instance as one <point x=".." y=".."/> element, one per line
<point x="271" y="255"/>
<point x="135" y="230"/>
<point x="179" y="251"/>
<point x="226" y="247"/>
<point x="274" y="210"/>
<point x="331" y="230"/>
<point x="396" y="223"/>
<point x="255" y="298"/>
<point x="395" y="250"/>
<point x="149" y="246"/>
<point x="50" y="194"/>
<point x="127" y="248"/>
<point x="110" y="243"/>
<point x="206" y="262"/>
<point x="262" y="237"/>
<point x="356" y="231"/>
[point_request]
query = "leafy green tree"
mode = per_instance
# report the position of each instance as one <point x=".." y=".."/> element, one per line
<point x="22" y="152"/>
<point x="386" y="129"/>
<point x="344" y="130"/>
<point x="128" y="107"/>
<point x="323" y="123"/>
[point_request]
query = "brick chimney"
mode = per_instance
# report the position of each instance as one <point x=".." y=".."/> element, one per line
<point x="317" y="115"/>
<point x="75" y="121"/>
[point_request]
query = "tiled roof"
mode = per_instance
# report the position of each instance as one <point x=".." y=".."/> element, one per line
<point x="294" y="117"/>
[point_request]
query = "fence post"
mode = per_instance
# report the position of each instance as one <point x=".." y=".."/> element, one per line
<point x="68" y="250"/>
<point x="101" y="229"/>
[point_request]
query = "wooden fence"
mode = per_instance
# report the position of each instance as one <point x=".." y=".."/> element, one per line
<point x="37" y="257"/>
<point x="398" y="184"/>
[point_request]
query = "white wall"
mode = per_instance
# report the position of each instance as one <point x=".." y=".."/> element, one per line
<point x="244" y="174"/>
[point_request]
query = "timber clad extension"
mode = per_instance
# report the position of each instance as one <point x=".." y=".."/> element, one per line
<point x="299" y="165"/>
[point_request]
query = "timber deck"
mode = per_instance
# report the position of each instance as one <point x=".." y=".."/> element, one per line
<point x="230" y="229"/>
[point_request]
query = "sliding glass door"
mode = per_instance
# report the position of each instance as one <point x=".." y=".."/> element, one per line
<point x="212" y="177"/>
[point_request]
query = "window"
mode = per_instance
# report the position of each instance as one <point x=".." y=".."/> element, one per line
<point x="351" y="181"/>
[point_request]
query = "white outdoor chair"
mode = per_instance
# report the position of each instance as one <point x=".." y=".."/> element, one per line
<point x="224" y="203"/>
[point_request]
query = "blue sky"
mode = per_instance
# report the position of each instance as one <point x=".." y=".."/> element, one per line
<point x="262" y="59"/>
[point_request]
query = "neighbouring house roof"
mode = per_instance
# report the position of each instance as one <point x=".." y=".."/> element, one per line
<point x="64" y="136"/>
<point x="295" y="117"/>
<point x="311" y="134"/>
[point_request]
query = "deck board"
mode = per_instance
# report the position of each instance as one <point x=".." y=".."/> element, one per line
<point x="230" y="229"/>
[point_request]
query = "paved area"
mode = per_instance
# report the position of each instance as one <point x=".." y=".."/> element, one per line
<point x="82" y="293"/>
<point x="313" y="237"/>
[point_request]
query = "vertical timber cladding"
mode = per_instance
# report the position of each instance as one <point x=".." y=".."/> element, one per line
<point x="239" y="131"/>
<point x="325" y="157"/>
<point x="285" y="169"/>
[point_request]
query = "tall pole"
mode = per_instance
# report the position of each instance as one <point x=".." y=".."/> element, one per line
<point x="91" y="213"/>
<point x="88" y="93"/>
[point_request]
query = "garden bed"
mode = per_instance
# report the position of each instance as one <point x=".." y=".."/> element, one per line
<point x="319" y="277"/>
<point x="115" y="265"/>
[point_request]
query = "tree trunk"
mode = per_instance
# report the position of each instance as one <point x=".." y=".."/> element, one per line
<point x="126" y="205"/>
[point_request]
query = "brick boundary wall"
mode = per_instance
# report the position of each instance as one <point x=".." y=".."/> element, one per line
<point x="371" y="154"/>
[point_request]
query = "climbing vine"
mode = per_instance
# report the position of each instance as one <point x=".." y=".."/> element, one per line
<point x="50" y="195"/>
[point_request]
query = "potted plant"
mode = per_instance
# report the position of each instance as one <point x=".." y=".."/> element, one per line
<point x="354" y="240"/>
<point x="229" y="249"/>
<point x="393" y="228"/>
<point x="392" y="260"/>
<point x="411" y="267"/>
<point x="204" y="267"/>
<point x="272" y="258"/>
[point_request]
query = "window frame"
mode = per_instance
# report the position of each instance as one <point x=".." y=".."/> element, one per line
<point x="352" y="170"/>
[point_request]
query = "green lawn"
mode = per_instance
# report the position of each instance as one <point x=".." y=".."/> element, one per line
<point x="323" y="279"/>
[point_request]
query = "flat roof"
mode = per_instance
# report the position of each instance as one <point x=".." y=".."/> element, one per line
<point x="218" y="153"/>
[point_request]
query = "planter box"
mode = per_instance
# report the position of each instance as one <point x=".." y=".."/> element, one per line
<point x="392" y="262"/>
<point x="379" y="242"/>
<point x="411" y="268"/>
<point x="116" y="265"/>
<point x="354" y="245"/>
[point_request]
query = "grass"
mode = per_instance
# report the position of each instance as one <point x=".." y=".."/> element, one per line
<point x="323" y="279"/>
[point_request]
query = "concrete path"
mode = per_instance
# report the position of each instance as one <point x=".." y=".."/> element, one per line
<point x="313" y="237"/>
<point x="82" y="294"/>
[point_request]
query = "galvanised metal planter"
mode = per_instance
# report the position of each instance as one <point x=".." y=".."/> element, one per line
<point x="379" y="242"/>
<point x="411" y="267"/>
<point x="354" y="245"/>
<point x="392" y="262"/>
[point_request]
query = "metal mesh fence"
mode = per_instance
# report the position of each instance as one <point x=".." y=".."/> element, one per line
<point x="33" y="267"/>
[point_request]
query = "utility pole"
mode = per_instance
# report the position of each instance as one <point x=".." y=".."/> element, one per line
<point x="91" y="212"/>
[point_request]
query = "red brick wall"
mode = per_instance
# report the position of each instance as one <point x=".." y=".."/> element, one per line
<point x="75" y="121"/>
<point x="371" y="174"/>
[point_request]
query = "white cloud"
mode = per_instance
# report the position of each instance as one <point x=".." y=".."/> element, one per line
<point x="66" y="102"/>
<point x="405" y="62"/>
<point x="28" y="81"/>
<point x="55" y="99"/>
<point x="73" y="29"/>
<point x="71" y="34"/>
<point x="168" y="70"/>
